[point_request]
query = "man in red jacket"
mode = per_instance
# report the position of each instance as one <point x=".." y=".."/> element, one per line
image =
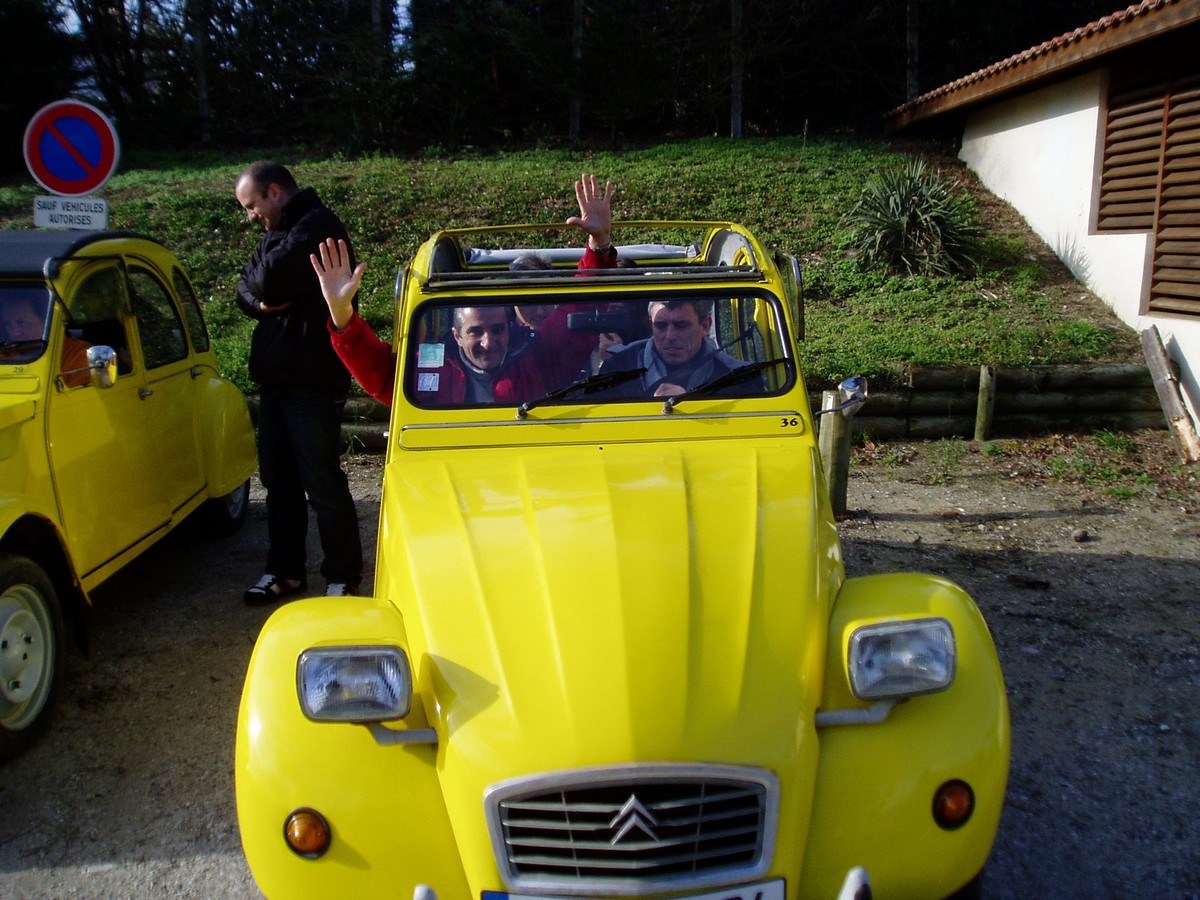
<point x="488" y="359"/>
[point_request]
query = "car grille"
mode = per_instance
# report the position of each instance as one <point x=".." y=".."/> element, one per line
<point x="634" y="829"/>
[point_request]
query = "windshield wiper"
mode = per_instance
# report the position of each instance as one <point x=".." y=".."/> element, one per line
<point x="7" y="345"/>
<point x="733" y="376"/>
<point x="591" y="383"/>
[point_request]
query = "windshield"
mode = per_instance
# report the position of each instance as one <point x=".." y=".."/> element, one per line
<point x="643" y="346"/>
<point x="24" y="311"/>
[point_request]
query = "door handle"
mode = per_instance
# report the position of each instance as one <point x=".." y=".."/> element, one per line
<point x="143" y="393"/>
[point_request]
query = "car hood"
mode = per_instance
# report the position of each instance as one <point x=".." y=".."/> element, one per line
<point x="582" y="605"/>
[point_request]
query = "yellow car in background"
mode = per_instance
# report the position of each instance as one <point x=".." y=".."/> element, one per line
<point x="612" y="651"/>
<point x="115" y="426"/>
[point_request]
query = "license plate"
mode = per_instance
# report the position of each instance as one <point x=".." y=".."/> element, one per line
<point x="764" y="890"/>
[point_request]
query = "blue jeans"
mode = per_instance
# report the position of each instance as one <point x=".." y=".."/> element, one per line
<point x="299" y="457"/>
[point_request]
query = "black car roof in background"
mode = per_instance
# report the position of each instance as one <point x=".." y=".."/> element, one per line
<point x="26" y="252"/>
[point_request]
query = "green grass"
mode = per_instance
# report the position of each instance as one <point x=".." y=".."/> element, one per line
<point x="792" y="192"/>
<point x="1110" y="461"/>
<point x="945" y="460"/>
<point x="1117" y="466"/>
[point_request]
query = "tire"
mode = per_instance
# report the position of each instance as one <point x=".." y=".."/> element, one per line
<point x="223" y="516"/>
<point x="32" y="653"/>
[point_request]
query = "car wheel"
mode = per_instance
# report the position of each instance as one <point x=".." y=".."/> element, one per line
<point x="31" y="653"/>
<point x="223" y="516"/>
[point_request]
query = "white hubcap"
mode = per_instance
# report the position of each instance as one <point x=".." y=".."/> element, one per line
<point x="22" y="652"/>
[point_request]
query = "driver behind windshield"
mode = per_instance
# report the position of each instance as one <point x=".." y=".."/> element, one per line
<point x="678" y="356"/>
<point x="23" y="322"/>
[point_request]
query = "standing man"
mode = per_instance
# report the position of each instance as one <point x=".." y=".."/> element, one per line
<point x="303" y="388"/>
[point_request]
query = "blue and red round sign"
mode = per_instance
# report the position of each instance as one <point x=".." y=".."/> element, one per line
<point x="71" y="148"/>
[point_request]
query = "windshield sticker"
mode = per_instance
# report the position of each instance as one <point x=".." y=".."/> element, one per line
<point x="431" y="356"/>
<point x="428" y="381"/>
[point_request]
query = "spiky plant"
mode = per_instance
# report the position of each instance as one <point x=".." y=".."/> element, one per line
<point x="908" y="218"/>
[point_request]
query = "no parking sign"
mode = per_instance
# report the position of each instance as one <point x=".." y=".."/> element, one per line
<point x="71" y="149"/>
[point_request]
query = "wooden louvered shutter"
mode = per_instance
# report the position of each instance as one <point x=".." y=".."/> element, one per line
<point x="1133" y="139"/>
<point x="1175" y="279"/>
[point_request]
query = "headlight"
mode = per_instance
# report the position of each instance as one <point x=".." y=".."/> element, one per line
<point x="901" y="659"/>
<point x="354" y="684"/>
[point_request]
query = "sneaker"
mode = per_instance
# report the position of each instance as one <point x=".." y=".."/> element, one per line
<point x="340" y="589"/>
<point x="271" y="588"/>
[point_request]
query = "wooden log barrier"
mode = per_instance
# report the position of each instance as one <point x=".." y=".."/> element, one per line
<point x="985" y="407"/>
<point x="930" y="402"/>
<point x="1166" y="384"/>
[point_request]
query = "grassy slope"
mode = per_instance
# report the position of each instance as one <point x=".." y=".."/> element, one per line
<point x="791" y="192"/>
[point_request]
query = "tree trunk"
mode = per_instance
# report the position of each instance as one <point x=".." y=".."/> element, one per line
<point x="136" y="83"/>
<point x="912" y="45"/>
<point x="197" y="19"/>
<point x="736" y="67"/>
<point x="379" y="40"/>
<point x="574" y="129"/>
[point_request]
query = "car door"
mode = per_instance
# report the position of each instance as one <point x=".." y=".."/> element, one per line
<point x="170" y="386"/>
<point x="101" y="458"/>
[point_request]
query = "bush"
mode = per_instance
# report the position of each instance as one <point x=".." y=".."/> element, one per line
<point x="909" y="219"/>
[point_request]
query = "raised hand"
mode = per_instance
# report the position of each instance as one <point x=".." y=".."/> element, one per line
<point x="338" y="283"/>
<point x="595" y="211"/>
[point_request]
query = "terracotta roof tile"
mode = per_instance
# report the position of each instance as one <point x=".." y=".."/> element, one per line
<point x="1046" y="50"/>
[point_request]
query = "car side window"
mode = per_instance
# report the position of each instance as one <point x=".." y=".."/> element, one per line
<point x="191" y="312"/>
<point x="95" y="314"/>
<point x="158" y="322"/>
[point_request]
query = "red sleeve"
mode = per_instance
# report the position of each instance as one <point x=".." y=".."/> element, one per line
<point x="593" y="260"/>
<point x="368" y="358"/>
<point x="566" y="353"/>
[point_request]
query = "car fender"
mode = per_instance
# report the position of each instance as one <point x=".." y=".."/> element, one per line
<point x="876" y="782"/>
<point x="390" y="830"/>
<point x="227" y="436"/>
<point x="13" y="508"/>
<point x="30" y="516"/>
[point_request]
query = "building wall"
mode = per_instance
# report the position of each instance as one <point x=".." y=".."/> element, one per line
<point x="1039" y="151"/>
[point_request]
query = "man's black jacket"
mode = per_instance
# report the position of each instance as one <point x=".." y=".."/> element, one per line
<point x="291" y="348"/>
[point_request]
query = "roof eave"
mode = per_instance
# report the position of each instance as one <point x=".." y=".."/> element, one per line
<point x="1041" y="64"/>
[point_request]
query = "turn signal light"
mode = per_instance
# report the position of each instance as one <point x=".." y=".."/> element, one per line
<point x="953" y="804"/>
<point x="307" y="833"/>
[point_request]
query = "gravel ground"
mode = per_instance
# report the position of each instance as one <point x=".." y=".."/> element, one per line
<point x="1093" y="603"/>
<point x="130" y="795"/>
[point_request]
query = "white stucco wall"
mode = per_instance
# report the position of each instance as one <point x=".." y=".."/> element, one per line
<point x="1039" y="151"/>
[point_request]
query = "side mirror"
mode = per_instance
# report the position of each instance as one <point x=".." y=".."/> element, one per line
<point x="102" y="365"/>
<point x="853" y="393"/>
